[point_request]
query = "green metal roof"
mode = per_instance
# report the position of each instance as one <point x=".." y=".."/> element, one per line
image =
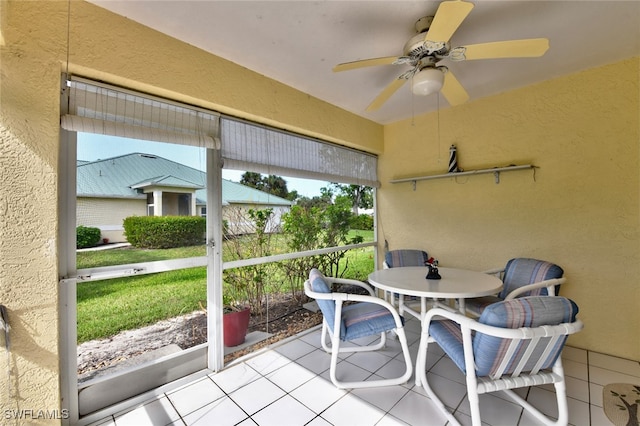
<point x="118" y="177"/>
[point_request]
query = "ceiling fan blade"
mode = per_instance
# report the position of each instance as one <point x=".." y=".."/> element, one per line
<point x="447" y="19"/>
<point x="527" y="48"/>
<point x="388" y="60"/>
<point x="386" y="94"/>
<point x="453" y="91"/>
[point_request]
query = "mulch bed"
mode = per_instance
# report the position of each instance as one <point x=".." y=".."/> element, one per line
<point x="286" y="317"/>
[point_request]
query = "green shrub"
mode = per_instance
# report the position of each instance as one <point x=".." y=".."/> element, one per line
<point x="159" y="232"/>
<point x="87" y="236"/>
<point x="363" y="222"/>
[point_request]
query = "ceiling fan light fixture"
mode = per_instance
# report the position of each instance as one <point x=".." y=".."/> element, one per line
<point x="427" y="81"/>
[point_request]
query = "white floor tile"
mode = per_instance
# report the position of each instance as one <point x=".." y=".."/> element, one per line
<point x="352" y="411"/>
<point x="190" y="398"/>
<point x="267" y="362"/>
<point x="235" y="377"/>
<point x="289" y="385"/>
<point x="620" y="365"/>
<point x="395" y="368"/>
<point x="544" y="401"/>
<point x="598" y="417"/>
<point x="417" y="409"/>
<point x="312" y="338"/>
<point x="290" y="376"/>
<point x="370" y="361"/>
<point x="603" y="377"/>
<point x="449" y="392"/>
<point x="595" y="394"/>
<point x="286" y="411"/>
<point x="318" y="394"/>
<point x="384" y="397"/>
<point x="247" y="422"/>
<point x="317" y="361"/>
<point x="157" y="412"/>
<point x="577" y="389"/>
<point x="448" y="369"/>
<point x="347" y="372"/>
<point x="494" y="410"/>
<point x="297" y="348"/>
<point x="389" y="420"/>
<point x="575" y="369"/>
<point x="318" y="421"/>
<point x="256" y="395"/>
<point x="574" y="354"/>
<point x="220" y="413"/>
<point x="578" y="412"/>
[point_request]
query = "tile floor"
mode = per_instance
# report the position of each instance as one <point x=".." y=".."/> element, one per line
<point x="289" y="384"/>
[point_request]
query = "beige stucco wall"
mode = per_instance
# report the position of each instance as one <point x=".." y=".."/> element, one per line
<point x="579" y="209"/>
<point x="33" y="49"/>
<point x="108" y="214"/>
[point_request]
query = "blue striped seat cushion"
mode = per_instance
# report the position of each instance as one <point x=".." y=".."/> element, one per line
<point x="406" y="257"/>
<point x="328" y="307"/>
<point x="523" y="271"/>
<point x="532" y="311"/>
<point x="358" y="319"/>
<point x="366" y="319"/>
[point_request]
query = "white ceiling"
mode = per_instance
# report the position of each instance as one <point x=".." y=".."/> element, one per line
<point x="299" y="42"/>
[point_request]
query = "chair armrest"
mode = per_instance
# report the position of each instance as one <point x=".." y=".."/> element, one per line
<point x="548" y="284"/>
<point x="507" y="333"/>
<point x="347" y="281"/>
<point x="494" y="271"/>
<point x="339" y="298"/>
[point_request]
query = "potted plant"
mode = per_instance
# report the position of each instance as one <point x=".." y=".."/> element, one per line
<point x="235" y="321"/>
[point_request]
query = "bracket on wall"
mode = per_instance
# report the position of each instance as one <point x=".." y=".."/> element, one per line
<point x="495" y="170"/>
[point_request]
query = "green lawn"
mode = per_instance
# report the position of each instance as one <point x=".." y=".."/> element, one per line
<point x="104" y="308"/>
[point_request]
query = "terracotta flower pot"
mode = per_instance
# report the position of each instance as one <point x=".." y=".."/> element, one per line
<point x="235" y="325"/>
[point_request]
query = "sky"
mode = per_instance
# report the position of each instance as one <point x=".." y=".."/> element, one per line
<point x="93" y="147"/>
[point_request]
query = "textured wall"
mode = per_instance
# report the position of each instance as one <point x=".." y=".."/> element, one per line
<point x="579" y="209"/>
<point x="29" y="122"/>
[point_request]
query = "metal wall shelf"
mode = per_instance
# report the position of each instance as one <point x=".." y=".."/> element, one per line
<point x="495" y="170"/>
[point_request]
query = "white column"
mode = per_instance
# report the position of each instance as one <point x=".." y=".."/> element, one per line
<point x="157" y="203"/>
<point x="214" y="260"/>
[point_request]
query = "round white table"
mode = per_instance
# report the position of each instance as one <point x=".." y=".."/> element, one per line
<point x="455" y="284"/>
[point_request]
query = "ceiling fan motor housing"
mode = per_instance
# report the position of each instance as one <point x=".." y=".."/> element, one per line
<point x="417" y="46"/>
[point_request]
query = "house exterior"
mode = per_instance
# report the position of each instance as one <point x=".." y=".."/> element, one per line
<point x="140" y="184"/>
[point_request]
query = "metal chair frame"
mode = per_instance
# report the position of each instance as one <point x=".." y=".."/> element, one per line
<point x="499" y="382"/>
<point x="335" y="346"/>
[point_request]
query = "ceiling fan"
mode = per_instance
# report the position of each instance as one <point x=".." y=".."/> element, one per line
<point x="431" y="45"/>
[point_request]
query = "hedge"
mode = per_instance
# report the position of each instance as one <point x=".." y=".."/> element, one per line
<point x="158" y="232"/>
<point x="87" y="236"/>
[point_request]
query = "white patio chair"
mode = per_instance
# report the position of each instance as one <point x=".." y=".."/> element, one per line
<point x="521" y="277"/>
<point x="515" y="343"/>
<point x="368" y="316"/>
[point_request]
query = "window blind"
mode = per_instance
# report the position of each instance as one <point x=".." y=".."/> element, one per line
<point x="256" y="148"/>
<point x="107" y="110"/>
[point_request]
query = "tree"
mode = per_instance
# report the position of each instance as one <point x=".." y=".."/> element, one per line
<point x="272" y="184"/>
<point x="361" y="196"/>
<point x="253" y="180"/>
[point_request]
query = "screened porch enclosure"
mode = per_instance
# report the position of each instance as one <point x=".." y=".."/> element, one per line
<point x="96" y="108"/>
